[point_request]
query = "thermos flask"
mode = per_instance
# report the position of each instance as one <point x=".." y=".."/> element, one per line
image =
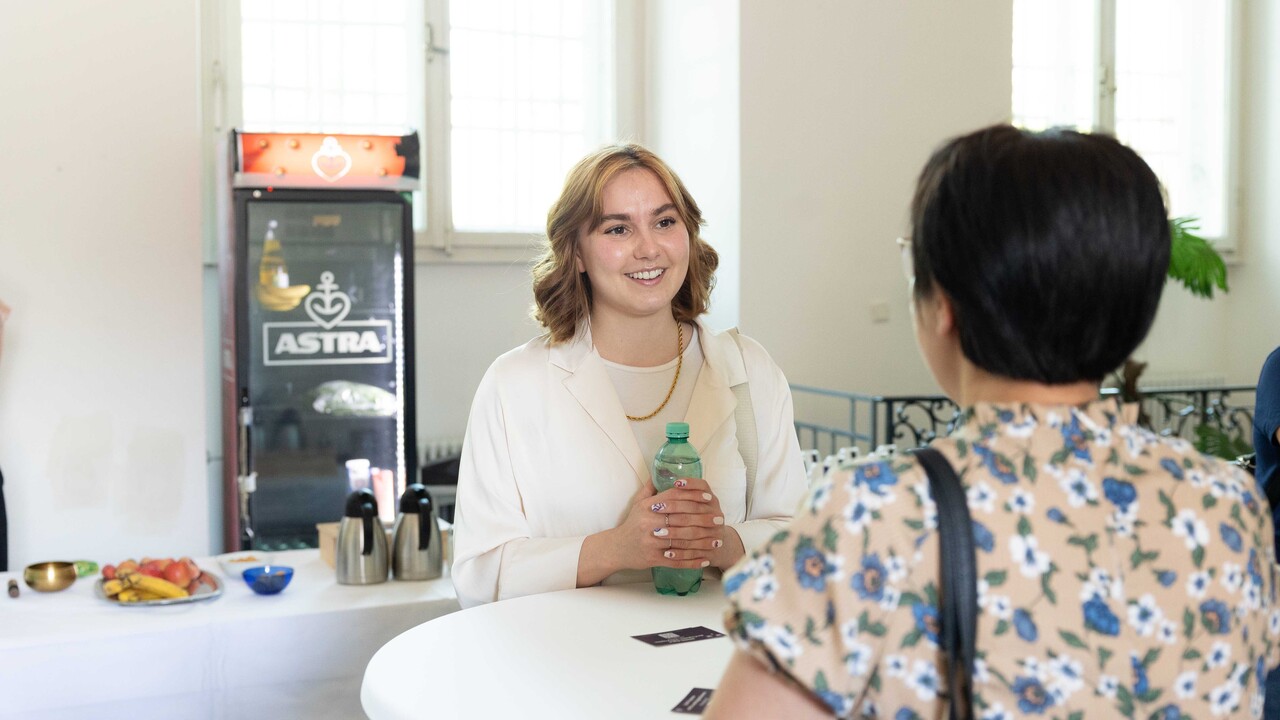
<point x="416" y="549"/>
<point x="362" y="543"/>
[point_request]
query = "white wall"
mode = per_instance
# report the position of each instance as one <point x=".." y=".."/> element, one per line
<point x="101" y="387"/>
<point x="467" y="315"/>
<point x="842" y="102"/>
<point x="1253" y="329"/>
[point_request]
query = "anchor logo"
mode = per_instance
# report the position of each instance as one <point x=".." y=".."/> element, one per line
<point x="331" y="162"/>
<point x="327" y="305"/>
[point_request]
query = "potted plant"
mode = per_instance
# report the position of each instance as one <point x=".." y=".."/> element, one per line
<point x="1195" y="263"/>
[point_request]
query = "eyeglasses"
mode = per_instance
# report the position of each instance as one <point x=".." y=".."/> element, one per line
<point x="908" y="265"/>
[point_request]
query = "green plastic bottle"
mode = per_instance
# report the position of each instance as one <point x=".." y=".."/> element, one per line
<point x="676" y="459"/>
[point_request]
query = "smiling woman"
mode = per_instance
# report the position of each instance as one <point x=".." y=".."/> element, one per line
<point x="554" y="487"/>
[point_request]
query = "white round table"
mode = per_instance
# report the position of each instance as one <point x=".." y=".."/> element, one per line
<point x="565" y="654"/>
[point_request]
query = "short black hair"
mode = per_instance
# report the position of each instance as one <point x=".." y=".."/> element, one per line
<point x="1052" y="246"/>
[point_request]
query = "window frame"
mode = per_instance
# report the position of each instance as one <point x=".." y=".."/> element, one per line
<point x="438" y="242"/>
<point x="1104" y="110"/>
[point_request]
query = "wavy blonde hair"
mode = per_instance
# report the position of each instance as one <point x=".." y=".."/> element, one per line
<point x="562" y="295"/>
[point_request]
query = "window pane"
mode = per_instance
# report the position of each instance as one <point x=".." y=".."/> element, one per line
<point x="337" y="66"/>
<point x="527" y="81"/>
<point x="1054" y="56"/>
<point x="1171" y="99"/>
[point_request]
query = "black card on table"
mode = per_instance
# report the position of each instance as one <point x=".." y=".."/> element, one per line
<point x="694" y="703"/>
<point x="675" y="637"/>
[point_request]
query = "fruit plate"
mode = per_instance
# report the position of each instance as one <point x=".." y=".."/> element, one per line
<point x="204" y="593"/>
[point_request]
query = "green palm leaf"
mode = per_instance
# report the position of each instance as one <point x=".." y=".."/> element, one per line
<point x="1193" y="261"/>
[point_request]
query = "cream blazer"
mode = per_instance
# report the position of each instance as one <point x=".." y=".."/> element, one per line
<point x="549" y="458"/>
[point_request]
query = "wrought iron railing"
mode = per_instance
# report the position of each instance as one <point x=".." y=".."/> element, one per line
<point x="907" y="421"/>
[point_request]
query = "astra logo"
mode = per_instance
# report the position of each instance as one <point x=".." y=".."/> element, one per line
<point x="329" y="339"/>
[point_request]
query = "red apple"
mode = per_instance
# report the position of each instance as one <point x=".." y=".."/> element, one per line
<point x="177" y="574"/>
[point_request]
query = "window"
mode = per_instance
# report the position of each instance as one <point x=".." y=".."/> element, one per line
<point x="505" y="95"/>
<point x="1159" y="74"/>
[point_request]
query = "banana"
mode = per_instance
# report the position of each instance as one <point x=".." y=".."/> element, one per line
<point x="278" y="299"/>
<point x="157" y="586"/>
<point x="145" y="584"/>
<point x="128" y="595"/>
<point x="112" y="588"/>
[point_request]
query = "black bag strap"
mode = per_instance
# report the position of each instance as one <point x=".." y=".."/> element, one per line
<point x="957" y="578"/>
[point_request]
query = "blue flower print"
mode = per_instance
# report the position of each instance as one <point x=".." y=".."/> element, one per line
<point x="1172" y="467"/>
<point x="734" y="582"/>
<point x="1099" y="618"/>
<point x="998" y="464"/>
<point x="1167" y="577"/>
<point x="812" y="568"/>
<point x="1260" y="671"/>
<point x="869" y="581"/>
<point x="1056" y="515"/>
<point x="906" y="714"/>
<point x="1025" y="626"/>
<point x="1250" y="503"/>
<point x="1231" y="537"/>
<point x="1119" y="492"/>
<point x="1255" y="574"/>
<point x="982" y="537"/>
<point x="838" y="703"/>
<point x="1032" y="695"/>
<point x="876" y="476"/>
<point x="1074" y="440"/>
<point x="1005" y="416"/>
<point x="1215" y="617"/>
<point x="1140" y="683"/>
<point x="1168" y="712"/>
<point x="926" y="620"/>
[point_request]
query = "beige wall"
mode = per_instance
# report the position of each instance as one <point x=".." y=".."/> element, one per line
<point x="842" y="102"/>
<point x="1253" y="317"/>
<point x="102" y="402"/>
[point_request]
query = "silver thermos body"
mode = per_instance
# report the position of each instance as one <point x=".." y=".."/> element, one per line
<point x="362" y="543"/>
<point x="416" y="549"/>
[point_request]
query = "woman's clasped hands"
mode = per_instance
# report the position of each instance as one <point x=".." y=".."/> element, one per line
<point x="682" y="527"/>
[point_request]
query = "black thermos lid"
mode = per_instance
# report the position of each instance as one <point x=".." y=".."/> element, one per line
<point x="361" y="503"/>
<point x="410" y="501"/>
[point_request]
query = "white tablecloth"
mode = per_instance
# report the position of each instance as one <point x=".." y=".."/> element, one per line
<point x="297" y="654"/>
<point x="565" y="654"/>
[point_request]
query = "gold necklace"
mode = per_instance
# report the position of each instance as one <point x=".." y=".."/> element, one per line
<point x="676" y="379"/>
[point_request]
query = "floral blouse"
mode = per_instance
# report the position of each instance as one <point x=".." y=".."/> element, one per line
<point x="1123" y="574"/>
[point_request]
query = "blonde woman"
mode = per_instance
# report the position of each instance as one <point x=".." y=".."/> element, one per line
<point x="554" y="489"/>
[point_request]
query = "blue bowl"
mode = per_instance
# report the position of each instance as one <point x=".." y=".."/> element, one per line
<point x="268" y="579"/>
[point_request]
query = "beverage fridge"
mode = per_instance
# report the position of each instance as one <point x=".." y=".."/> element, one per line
<point x="317" y="331"/>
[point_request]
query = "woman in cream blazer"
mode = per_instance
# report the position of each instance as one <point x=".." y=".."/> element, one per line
<point x="554" y="490"/>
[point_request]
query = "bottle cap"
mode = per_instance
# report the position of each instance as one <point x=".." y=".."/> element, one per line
<point x="677" y="430"/>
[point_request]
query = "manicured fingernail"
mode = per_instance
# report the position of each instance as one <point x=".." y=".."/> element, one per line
<point x="717" y="543"/>
<point x="661" y="532"/>
<point x="658" y="507"/>
<point x="681" y="483"/>
<point x="706" y="496"/>
<point x="718" y="520"/>
<point x="668" y="554"/>
<point x="706" y="563"/>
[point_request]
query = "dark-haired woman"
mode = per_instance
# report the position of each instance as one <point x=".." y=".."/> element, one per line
<point x="554" y="489"/>
<point x="1121" y="573"/>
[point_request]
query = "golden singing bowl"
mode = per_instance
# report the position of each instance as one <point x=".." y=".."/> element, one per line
<point x="49" y="576"/>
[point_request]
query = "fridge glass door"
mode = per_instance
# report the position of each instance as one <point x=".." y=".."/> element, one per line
<point x="325" y="366"/>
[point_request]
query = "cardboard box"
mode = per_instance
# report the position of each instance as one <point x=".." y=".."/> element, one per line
<point x="329" y="541"/>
